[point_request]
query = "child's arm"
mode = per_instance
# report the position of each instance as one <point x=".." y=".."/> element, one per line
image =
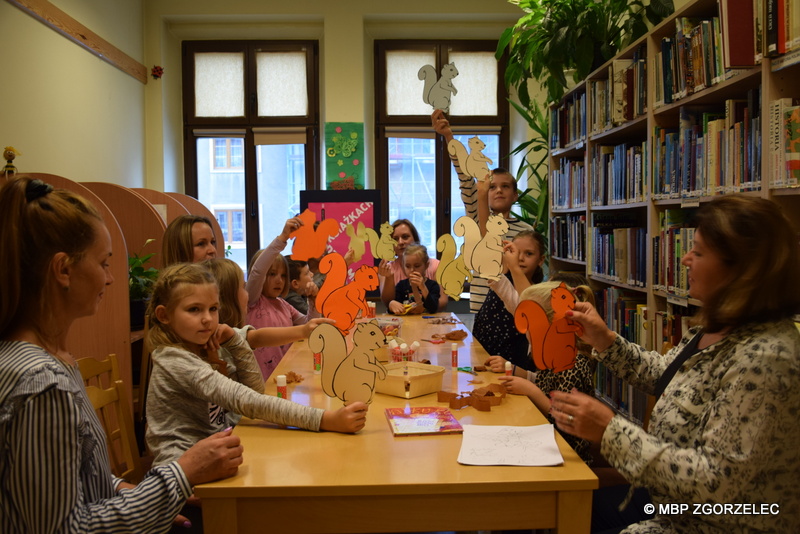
<point x="386" y="275"/>
<point x="507" y="293"/>
<point x="258" y="274"/>
<point x="483" y="204"/>
<point x="520" y="386"/>
<point x="247" y="370"/>
<point x="466" y="183"/>
<point x="274" y="336"/>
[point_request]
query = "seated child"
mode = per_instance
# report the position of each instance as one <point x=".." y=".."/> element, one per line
<point x="538" y="385"/>
<point x="494" y="324"/>
<point x="267" y="283"/>
<point x="302" y="289"/>
<point x="191" y="391"/>
<point x="421" y="292"/>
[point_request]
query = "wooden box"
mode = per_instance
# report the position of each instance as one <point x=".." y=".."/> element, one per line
<point x="422" y="379"/>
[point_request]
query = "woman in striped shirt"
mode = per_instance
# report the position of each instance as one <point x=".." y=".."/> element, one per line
<point x="54" y="468"/>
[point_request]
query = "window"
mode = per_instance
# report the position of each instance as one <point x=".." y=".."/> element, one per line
<point x="251" y="118"/>
<point x="413" y="170"/>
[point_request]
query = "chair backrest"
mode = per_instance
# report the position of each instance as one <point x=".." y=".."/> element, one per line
<point x="108" y="396"/>
<point x="145" y="368"/>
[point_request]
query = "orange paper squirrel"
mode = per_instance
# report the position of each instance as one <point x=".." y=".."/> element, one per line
<point x="339" y="300"/>
<point x="311" y="242"/>
<point x="553" y="345"/>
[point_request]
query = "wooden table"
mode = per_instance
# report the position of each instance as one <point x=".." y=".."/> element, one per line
<point x="296" y="481"/>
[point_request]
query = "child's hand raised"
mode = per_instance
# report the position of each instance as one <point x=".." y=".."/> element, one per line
<point x="348" y="419"/>
<point x="291" y="225"/>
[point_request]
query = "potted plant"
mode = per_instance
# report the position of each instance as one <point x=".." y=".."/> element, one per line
<point x="559" y="36"/>
<point x="140" y="285"/>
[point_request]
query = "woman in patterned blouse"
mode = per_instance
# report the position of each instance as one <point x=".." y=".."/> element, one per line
<point x="721" y="453"/>
<point x="54" y="468"/>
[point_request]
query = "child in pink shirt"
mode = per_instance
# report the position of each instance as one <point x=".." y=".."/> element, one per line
<point x="267" y="283"/>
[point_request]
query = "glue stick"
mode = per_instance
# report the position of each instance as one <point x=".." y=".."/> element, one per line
<point x="281" y="381"/>
<point x="454" y="355"/>
<point x="412" y="350"/>
<point x="404" y="352"/>
<point x="508" y="368"/>
<point x="317" y="363"/>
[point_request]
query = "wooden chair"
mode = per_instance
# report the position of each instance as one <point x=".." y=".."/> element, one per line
<point x="109" y="398"/>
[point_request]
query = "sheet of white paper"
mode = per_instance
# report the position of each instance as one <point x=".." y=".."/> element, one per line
<point x="509" y="445"/>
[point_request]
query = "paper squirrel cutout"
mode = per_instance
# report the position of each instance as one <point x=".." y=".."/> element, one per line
<point x="437" y="92"/>
<point x="452" y="272"/>
<point x="339" y="300"/>
<point x="483" y="255"/>
<point x="349" y="377"/>
<point x="382" y="247"/>
<point x="475" y="163"/>
<point x="553" y="345"/>
<point x="310" y="242"/>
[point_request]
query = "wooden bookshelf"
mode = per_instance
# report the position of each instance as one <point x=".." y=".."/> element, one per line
<point x="632" y="179"/>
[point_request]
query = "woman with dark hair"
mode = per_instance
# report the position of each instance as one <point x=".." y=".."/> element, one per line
<point x="392" y="272"/>
<point x="54" y="467"/>
<point x="723" y="434"/>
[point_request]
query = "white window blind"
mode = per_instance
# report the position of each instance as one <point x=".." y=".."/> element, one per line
<point x="476" y="83"/>
<point x="282" y="84"/>
<point x="219" y="84"/>
<point x="403" y="87"/>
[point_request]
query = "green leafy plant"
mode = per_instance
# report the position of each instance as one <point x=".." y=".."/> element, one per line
<point x="555" y="37"/>
<point x="140" y="277"/>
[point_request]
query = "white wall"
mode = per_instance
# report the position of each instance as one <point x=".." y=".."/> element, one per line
<point x="67" y="111"/>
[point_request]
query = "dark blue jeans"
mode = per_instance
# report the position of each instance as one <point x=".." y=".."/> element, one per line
<point x="606" y="516"/>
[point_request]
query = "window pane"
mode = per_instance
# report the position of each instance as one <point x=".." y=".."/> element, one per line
<point x="456" y="205"/>
<point x="476" y="83"/>
<point x="221" y="190"/>
<point x="282" y="84"/>
<point x="219" y="84"/>
<point x="281" y="176"/>
<point x="220" y="153"/>
<point x="237" y="153"/>
<point x="237" y="226"/>
<point x="403" y="86"/>
<point x="412" y="186"/>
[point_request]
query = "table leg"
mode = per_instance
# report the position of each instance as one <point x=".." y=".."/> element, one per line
<point x="574" y="513"/>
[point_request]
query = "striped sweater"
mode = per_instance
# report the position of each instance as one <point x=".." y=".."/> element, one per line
<point x="54" y="467"/>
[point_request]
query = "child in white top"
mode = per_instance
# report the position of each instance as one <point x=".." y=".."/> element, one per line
<point x="188" y="398"/>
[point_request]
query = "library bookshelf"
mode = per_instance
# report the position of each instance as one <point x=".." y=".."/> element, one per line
<point x="647" y="138"/>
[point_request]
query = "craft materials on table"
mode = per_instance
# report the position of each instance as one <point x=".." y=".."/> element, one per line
<point x="421" y="420"/>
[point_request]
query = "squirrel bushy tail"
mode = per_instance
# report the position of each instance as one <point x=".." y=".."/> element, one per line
<point x="335" y="271"/>
<point x="467" y="228"/>
<point x="325" y="339"/>
<point x="427" y="73"/>
<point x="527" y="316"/>
<point x="447" y="246"/>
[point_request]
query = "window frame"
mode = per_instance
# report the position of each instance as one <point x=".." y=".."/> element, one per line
<point x="460" y="124"/>
<point x="310" y="122"/>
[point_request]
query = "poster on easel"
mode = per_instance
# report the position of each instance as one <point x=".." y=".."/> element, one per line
<point x="344" y="155"/>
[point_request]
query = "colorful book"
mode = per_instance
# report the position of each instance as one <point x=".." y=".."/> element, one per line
<point x="791" y="116"/>
<point x="422" y="420"/>
<point x="738" y="39"/>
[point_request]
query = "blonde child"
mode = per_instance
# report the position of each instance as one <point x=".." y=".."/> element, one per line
<point x="538" y="385"/>
<point x="191" y="391"/>
<point x="302" y="288"/>
<point x="422" y="292"/>
<point x="267" y="284"/>
<point x="494" y="324"/>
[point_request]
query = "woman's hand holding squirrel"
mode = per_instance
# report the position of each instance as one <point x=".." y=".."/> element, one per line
<point x="595" y="331"/>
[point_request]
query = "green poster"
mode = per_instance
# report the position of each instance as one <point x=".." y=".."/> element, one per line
<point x="344" y="155"/>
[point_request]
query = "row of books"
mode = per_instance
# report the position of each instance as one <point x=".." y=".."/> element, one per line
<point x="618" y="174"/>
<point x="625" y="312"/>
<point x="622" y="97"/>
<point x="776" y="26"/>
<point x="568" y="184"/>
<point x="713" y="150"/>
<point x="568" y="236"/>
<point x="568" y="121"/>
<point x="674" y="239"/>
<point x="692" y="59"/>
<point x="620" y="255"/>
<point x="784" y="142"/>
